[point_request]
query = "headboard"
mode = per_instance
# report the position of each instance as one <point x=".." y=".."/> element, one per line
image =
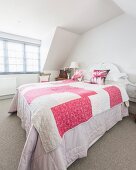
<point x="114" y="73"/>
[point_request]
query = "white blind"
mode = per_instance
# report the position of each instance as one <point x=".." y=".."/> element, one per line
<point x="4" y="35"/>
<point x="19" y="54"/>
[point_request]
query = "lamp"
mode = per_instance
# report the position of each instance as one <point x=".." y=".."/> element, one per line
<point x="74" y="65"/>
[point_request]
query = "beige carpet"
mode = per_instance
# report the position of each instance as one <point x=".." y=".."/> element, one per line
<point x="116" y="150"/>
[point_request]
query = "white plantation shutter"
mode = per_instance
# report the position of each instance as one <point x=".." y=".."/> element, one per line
<point x="19" y="54"/>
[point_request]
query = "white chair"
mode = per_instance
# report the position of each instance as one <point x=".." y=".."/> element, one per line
<point x="45" y="78"/>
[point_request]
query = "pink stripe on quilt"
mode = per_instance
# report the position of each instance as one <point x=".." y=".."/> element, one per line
<point x="72" y="113"/>
<point x="33" y="94"/>
<point x="115" y="95"/>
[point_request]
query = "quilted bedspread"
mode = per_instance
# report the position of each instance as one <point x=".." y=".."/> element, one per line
<point x="57" y="107"/>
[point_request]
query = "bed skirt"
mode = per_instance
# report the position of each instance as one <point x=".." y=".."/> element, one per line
<point x="74" y="145"/>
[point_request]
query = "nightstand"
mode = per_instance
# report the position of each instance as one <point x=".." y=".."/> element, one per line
<point x="62" y="75"/>
<point x="132" y="109"/>
<point x="131" y="90"/>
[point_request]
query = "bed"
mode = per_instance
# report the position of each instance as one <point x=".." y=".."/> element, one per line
<point x="63" y="119"/>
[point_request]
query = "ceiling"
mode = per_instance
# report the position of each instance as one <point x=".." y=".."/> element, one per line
<point x="35" y="18"/>
<point x="129" y="6"/>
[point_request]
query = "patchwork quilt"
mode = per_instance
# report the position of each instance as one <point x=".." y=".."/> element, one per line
<point x="57" y="107"/>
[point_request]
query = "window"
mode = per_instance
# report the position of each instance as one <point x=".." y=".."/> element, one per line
<point x="15" y="52"/>
<point x="32" y="58"/>
<point x="1" y="56"/>
<point x="19" y="57"/>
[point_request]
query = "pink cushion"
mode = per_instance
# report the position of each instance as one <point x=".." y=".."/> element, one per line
<point x="99" y="76"/>
<point x="77" y="75"/>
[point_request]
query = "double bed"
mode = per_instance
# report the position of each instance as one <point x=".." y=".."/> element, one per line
<point x="63" y="119"/>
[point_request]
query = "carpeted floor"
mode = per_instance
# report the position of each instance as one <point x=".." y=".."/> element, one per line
<point x="116" y="150"/>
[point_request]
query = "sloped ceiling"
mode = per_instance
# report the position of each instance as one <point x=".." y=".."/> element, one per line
<point x="128" y="6"/>
<point x="40" y="18"/>
<point x="61" y="46"/>
<point x="35" y="18"/>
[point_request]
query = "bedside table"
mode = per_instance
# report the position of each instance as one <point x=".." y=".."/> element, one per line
<point x="132" y="109"/>
<point x="131" y="90"/>
<point x="59" y="78"/>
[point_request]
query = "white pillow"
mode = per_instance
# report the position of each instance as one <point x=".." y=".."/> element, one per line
<point x="87" y="75"/>
<point x="116" y="76"/>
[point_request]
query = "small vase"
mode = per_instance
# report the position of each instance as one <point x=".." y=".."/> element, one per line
<point x="68" y="76"/>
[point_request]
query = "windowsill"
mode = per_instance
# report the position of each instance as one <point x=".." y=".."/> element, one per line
<point x="10" y="73"/>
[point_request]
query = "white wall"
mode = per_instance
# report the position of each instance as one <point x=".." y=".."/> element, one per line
<point x="23" y="78"/>
<point x="114" y="41"/>
<point x="61" y="46"/>
<point x="45" y="46"/>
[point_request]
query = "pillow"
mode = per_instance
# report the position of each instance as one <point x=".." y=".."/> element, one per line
<point x="78" y="75"/>
<point x="99" y="76"/>
<point x="117" y="76"/>
<point x="86" y="75"/>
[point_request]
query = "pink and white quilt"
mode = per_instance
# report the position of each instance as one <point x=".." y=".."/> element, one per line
<point x="57" y="107"/>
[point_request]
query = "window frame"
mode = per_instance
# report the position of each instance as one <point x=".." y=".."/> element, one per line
<point x="5" y="57"/>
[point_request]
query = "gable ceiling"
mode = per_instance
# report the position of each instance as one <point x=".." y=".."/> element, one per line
<point x="40" y="18"/>
<point x="128" y="6"/>
<point x="35" y="18"/>
<point x="60" y="48"/>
